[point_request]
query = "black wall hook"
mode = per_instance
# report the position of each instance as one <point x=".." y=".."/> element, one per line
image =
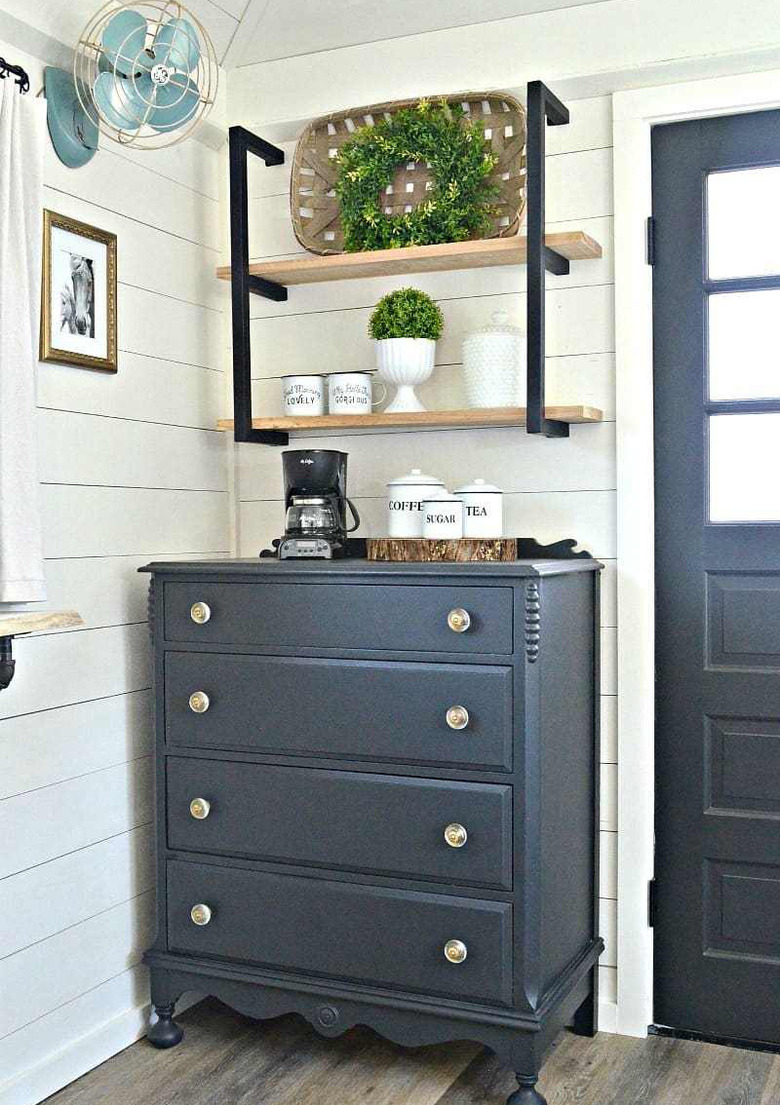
<point x="16" y="71"/>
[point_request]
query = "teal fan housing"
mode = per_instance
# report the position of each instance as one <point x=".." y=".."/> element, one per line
<point x="145" y="74"/>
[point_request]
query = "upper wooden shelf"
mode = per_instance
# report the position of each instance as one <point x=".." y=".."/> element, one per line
<point x="575" y="245"/>
<point x="478" y="416"/>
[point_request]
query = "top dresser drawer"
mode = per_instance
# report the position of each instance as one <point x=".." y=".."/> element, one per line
<point x="376" y="617"/>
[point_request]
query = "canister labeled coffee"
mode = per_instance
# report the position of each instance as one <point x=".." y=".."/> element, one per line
<point x="405" y="497"/>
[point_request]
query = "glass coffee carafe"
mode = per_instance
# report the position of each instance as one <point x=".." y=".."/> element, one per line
<point x="312" y="514"/>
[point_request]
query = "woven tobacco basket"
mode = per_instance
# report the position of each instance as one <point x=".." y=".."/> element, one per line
<point x="314" y="205"/>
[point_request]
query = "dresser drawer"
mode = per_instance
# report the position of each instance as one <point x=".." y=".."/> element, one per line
<point x="388" y="938"/>
<point x="358" y="709"/>
<point x="380" y="824"/>
<point x="341" y="616"/>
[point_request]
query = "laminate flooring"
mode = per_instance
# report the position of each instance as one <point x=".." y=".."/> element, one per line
<point x="228" y="1059"/>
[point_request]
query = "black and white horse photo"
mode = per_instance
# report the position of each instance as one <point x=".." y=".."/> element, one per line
<point x="78" y="298"/>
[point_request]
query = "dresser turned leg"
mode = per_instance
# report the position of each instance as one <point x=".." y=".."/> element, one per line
<point x="527" y="1093"/>
<point x="165" y="1032"/>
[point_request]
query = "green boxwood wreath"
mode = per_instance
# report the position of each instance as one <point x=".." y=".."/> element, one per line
<point x="458" y="206"/>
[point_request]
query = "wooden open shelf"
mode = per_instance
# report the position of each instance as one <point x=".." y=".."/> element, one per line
<point x="575" y="245"/>
<point x="482" y="416"/>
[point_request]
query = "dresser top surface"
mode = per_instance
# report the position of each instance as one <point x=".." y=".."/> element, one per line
<point x="269" y="569"/>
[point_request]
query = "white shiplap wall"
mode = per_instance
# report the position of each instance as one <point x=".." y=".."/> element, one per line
<point x="132" y="469"/>
<point x="556" y="488"/>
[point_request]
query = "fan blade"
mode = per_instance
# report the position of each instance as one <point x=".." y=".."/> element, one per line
<point x="176" y="103"/>
<point x="124" y="102"/>
<point x="179" y="40"/>
<point x="123" y="38"/>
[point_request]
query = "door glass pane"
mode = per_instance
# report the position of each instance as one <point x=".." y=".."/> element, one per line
<point x="744" y="346"/>
<point x="743" y="223"/>
<point x="745" y="468"/>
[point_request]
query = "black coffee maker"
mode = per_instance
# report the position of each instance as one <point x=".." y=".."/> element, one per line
<point x="315" y="497"/>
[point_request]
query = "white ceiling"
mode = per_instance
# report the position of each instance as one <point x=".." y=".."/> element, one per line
<point x="275" y="29"/>
<point x="250" y="31"/>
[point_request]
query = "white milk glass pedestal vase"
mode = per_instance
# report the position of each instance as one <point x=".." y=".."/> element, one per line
<point x="405" y="362"/>
<point x="405" y="326"/>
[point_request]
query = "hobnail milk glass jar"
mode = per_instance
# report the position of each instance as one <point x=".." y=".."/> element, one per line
<point x="494" y="364"/>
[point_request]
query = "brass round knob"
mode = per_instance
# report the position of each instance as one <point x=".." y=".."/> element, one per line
<point x="458" y="620"/>
<point x="199" y="702"/>
<point x="455" y="951"/>
<point x="457" y="717"/>
<point x="200" y="914"/>
<point x="200" y="808"/>
<point x="455" y="835"/>
<point x="200" y="612"/>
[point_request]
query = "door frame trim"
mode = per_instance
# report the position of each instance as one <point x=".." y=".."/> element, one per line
<point x="634" y="113"/>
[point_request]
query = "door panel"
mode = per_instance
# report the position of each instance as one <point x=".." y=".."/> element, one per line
<point x="716" y="286"/>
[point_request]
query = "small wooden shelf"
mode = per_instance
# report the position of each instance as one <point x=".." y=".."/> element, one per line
<point x="11" y="625"/>
<point x="575" y="245"/>
<point x="482" y="416"/>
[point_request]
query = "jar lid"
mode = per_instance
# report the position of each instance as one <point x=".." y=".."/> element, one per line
<point x="500" y="324"/>
<point x="443" y="496"/>
<point x="479" y="487"/>
<point x="416" y="477"/>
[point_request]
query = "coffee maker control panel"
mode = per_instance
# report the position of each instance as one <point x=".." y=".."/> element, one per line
<point x="300" y="548"/>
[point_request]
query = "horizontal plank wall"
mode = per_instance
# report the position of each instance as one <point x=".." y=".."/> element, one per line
<point x="132" y="469"/>
<point x="555" y="488"/>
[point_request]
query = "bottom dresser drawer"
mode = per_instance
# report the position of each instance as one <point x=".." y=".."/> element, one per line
<point x="369" y="934"/>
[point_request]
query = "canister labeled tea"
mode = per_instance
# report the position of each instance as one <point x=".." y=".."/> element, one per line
<point x="483" y="509"/>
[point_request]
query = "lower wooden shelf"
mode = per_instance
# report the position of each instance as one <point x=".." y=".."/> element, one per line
<point x="463" y="419"/>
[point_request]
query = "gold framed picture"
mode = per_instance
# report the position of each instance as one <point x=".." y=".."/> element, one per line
<point x="78" y="298"/>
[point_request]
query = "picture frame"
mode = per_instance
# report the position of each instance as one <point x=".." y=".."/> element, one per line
<point x="79" y="294"/>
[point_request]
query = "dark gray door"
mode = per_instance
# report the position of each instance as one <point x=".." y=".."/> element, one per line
<point x="716" y="281"/>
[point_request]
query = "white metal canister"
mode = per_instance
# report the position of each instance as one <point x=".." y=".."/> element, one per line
<point x="494" y="364"/>
<point x="442" y="516"/>
<point x="483" y="509"/>
<point x="405" y="497"/>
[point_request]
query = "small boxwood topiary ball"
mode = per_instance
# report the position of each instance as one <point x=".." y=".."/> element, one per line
<point x="407" y="313"/>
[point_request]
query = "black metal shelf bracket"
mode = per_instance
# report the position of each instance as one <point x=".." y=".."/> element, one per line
<point x="242" y="143"/>
<point x="544" y="109"/>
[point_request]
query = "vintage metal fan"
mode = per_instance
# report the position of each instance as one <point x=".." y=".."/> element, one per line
<point x="145" y="73"/>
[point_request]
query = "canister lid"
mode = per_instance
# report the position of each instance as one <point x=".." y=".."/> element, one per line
<point x="478" y="487"/>
<point x="499" y="324"/>
<point x="415" y="477"/>
<point x="443" y="496"/>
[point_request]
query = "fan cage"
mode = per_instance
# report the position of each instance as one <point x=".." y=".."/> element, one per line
<point x="86" y="68"/>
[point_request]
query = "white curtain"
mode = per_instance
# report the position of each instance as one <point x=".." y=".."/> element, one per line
<point x="22" y="136"/>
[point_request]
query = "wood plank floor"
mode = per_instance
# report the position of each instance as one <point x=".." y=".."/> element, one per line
<point x="227" y="1059"/>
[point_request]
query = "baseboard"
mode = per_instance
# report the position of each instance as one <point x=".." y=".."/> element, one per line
<point x="607" y="1018"/>
<point x="63" y="1067"/>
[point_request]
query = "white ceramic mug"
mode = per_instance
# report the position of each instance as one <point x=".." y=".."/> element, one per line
<point x="303" y="395"/>
<point x="352" y="393"/>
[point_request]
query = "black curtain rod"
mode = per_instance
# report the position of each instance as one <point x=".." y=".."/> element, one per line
<point x="16" y="71"/>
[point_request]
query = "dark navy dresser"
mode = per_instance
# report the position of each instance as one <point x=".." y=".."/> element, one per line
<point x="377" y="797"/>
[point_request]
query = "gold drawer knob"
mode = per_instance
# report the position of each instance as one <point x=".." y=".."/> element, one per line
<point x="200" y="612"/>
<point x="455" y="951"/>
<point x="200" y="808"/>
<point x="199" y="702"/>
<point x="458" y="620"/>
<point x="200" y="914"/>
<point x="457" y="717"/>
<point x="455" y="835"/>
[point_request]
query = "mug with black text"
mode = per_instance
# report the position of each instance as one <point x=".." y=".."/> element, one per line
<point x="303" y="395"/>
<point x="351" y="393"/>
